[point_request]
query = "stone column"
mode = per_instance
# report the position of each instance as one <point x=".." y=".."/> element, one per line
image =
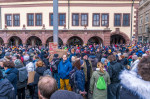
<point x="106" y="37"/>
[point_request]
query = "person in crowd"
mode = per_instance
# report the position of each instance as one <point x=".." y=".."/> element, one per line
<point x="93" y="60"/>
<point x="98" y="55"/>
<point x="22" y="77"/>
<point x="64" y="69"/>
<point x="79" y="86"/>
<point x="35" y="59"/>
<point x="6" y="57"/>
<point x="11" y="73"/>
<point x="46" y="87"/>
<point x="136" y="85"/>
<point x="114" y="70"/>
<point x="55" y="62"/>
<point x="134" y="63"/>
<point x="100" y="72"/>
<point x="64" y="94"/>
<point x="46" y="61"/>
<point x="7" y="90"/>
<point x="29" y="65"/>
<point x="87" y="68"/>
<point x="72" y="54"/>
<point x="39" y="72"/>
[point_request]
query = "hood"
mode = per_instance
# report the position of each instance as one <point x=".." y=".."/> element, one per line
<point x="133" y="82"/>
<point x="100" y="73"/>
<point x="113" y="62"/>
<point x="5" y="87"/>
<point x="40" y="70"/>
<point x="12" y="70"/>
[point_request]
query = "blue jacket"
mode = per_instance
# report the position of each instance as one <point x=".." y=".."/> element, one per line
<point x="12" y="75"/>
<point x="80" y="79"/>
<point x="64" y="69"/>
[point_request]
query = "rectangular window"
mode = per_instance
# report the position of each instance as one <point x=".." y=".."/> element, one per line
<point x="16" y="20"/>
<point x="141" y="20"/>
<point x="105" y="20"/>
<point x="30" y="18"/>
<point x="117" y="20"/>
<point x="75" y="19"/>
<point x="51" y="19"/>
<point x="8" y="19"/>
<point x="62" y="19"/>
<point x="147" y="18"/>
<point x="96" y="19"/>
<point x="38" y="19"/>
<point x="126" y="19"/>
<point x="146" y="28"/>
<point x="84" y="19"/>
<point x="140" y="29"/>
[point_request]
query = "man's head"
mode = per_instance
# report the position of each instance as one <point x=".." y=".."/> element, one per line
<point x="64" y="57"/>
<point x="85" y="56"/>
<point x="46" y="87"/>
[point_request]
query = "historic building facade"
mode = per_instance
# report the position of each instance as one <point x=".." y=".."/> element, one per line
<point x="144" y="21"/>
<point x="30" y="22"/>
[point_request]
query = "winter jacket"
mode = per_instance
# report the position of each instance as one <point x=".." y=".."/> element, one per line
<point x="12" y="75"/>
<point x="94" y="61"/>
<point x="80" y="79"/>
<point x="6" y="90"/>
<point x="99" y="94"/>
<point x="114" y="70"/>
<point x="64" y="69"/>
<point x="133" y="86"/>
<point x="46" y="62"/>
<point x="85" y="70"/>
<point x="39" y="72"/>
<point x="22" y="75"/>
<point x="134" y="65"/>
<point x="99" y="56"/>
<point x="30" y="66"/>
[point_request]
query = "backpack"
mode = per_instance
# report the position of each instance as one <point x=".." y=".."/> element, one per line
<point x="101" y="85"/>
<point x="23" y="74"/>
<point x="54" y="67"/>
<point x="72" y="79"/>
<point x="47" y="72"/>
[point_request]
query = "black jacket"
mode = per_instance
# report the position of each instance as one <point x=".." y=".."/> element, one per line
<point x="6" y="90"/>
<point x="46" y="62"/>
<point x="39" y="72"/>
<point x="114" y="70"/>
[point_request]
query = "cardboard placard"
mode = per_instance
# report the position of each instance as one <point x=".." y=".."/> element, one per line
<point x="53" y="47"/>
<point x="31" y="77"/>
<point x="61" y="52"/>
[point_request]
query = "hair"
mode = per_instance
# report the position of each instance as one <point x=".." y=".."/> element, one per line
<point x="144" y="68"/>
<point x="45" y="55"/>
<point x="111" y="58"/>
<point x="47" y="86"/>
<point x="77" y="64"/>
<point x="9" y="64"/>
<point x="101" y="66"/>
<point x="39" y="63"/>
<point x="36" y="57"/>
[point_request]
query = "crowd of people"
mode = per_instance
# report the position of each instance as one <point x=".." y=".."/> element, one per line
<point x="84" y="72"/>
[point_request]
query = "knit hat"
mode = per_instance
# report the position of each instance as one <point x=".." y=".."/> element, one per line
<point x="103" y="60"/>
<point x="64" y="94"/>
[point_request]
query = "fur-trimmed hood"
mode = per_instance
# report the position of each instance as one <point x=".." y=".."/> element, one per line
<point x="135" y="84"/>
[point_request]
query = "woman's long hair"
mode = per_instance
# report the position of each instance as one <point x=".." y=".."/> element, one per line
<point x="101" y="66"/>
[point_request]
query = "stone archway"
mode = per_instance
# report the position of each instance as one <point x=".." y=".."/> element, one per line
<point x="1" y="41"/>
<point x="34" y="40"/>
<point x="14" y="41"/>
<point x="50" y="39"/>
<point x="117" y="39"/>
<point x="122" y="38"/>
<point x="75" y="40"/>
<point x="95" y="39"/>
